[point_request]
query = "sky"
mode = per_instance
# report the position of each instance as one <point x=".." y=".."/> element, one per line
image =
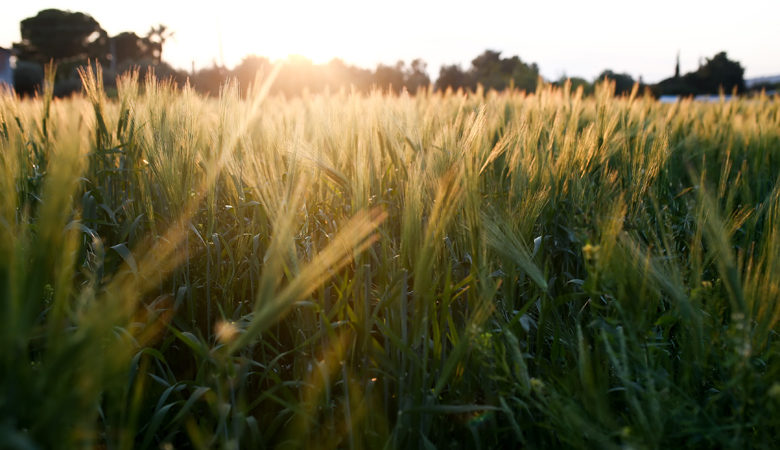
<point x="565" y="38"/>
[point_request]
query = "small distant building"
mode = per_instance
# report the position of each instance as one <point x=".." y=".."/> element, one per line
<point x="6" y="71"/>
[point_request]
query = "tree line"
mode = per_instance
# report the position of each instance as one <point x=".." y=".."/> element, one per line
<point x="74" y="39"/>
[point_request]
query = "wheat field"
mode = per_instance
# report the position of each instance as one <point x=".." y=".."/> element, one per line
<point x="445" y="270"/>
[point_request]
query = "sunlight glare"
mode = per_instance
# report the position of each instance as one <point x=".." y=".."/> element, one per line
<point x="318" y="32"/>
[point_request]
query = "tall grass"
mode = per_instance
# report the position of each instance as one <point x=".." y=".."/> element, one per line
<point x="446" y="270"/>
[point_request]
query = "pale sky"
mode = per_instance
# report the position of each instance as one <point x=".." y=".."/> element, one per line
<point x="576" y="38"/>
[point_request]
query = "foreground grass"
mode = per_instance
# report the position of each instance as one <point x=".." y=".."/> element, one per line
<point x="487" y="270"/>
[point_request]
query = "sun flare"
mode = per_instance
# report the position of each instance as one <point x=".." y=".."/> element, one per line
<point x="278" y="31"/>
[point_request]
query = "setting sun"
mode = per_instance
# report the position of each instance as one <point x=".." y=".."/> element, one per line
<point x="278" y="30"/>
<point x="274" y="30"/>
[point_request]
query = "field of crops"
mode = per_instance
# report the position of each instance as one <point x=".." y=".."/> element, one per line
<point x="347" y="271"/>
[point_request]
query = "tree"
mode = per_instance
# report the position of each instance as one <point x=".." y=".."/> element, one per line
<point x="417" y="77"/>
<point x="488" y="70"/>
<point x="128" y="46"/>
<point x="492" y="72"/>
<point x="623" y="81"/>
<point x="157" y="37"/>
<point x="401" y="76"/>
<point x="454" y="77"/>
<point x="719" y="72"/>
<point x="524" y="76"/>
<point x="576" y="83"/>
<point x="248" y="69"/>
<point x="28" y="78"/>
<point x="61" y="36"/>
<point x="390" y="77"/>
<point x="209" y="80"/>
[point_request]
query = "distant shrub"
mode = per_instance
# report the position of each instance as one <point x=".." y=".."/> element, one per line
<point x="28" y="77"/>
<point x="66" y="88"/>
<point x="162" y="71"/>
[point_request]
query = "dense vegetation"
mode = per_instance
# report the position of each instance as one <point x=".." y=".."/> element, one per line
<point x="374" y="271"/>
